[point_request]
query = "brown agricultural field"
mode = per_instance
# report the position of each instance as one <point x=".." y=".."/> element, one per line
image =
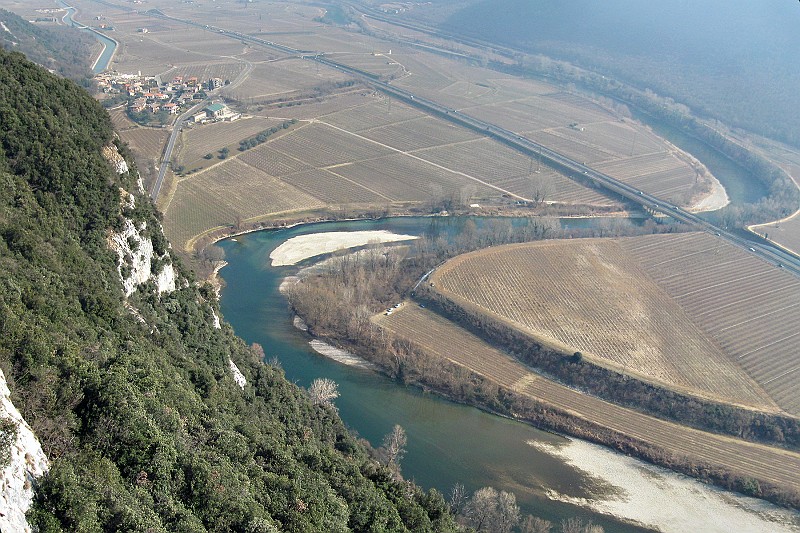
<point x="632" y="305"/>
<point x="194" y="143"/>
<point x="785" y="232"/>
<point x="148" y="143"/>
<point x="442" y="338"/>
<point x="228" y="193"/>
<point x="369" y="154"/>
<point x="750" y="308"/>
<point x="226" y="70"/>
<point x="271" y="80"/>
<point x="119" y="117"/>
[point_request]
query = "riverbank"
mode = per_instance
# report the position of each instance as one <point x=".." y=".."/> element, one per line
<point x="638" y="490"/>
<point x="304" y="247"/>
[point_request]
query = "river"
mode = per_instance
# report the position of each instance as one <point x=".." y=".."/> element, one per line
<point x="109" y="44"/>
<point x="447" y="443"/>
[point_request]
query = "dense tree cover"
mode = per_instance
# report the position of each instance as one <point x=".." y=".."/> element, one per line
<point x="730" y="59"/>
<point x="143" y="423"/>
<point x="66" y="51"/>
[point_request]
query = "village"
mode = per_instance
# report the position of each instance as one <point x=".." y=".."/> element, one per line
<point x="150" y="99"/>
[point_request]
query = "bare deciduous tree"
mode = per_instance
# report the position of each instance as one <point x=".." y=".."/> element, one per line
<point x="534" y="524"/>
<point x="458" y="498"/>
<point x="578" y="525"/>
<point x="490" y="510"/>
<point x="323" y="391"/>
<point x="394" y="447"/>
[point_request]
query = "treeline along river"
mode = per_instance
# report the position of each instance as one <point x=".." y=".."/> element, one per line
<point x="447" y="443"/>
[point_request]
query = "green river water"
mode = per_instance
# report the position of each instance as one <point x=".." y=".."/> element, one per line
<point x="447" y="443"/>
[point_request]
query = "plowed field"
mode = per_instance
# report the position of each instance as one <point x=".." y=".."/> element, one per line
<point x="443" y="338"/>
<point x="662" y="308"/>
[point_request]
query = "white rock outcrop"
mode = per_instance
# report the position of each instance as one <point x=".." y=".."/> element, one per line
<point x="113" y="156"/>
<point x="28" y="462"/>
<point x="135" y="254"/>
<point x="238" y="377"/>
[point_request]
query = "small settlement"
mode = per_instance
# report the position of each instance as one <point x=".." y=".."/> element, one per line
<point x="151" y="94"/>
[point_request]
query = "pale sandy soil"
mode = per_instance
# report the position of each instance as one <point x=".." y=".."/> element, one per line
<point x="340" y="356"/>
<point x="302" y="247"/>
<point x="663" y="500"/>
<point x="716" y="200"/>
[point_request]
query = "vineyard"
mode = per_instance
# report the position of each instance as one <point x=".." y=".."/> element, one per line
<point x="591" y="296"/>
<point x="444" y="339"/>
<point x="226" y="70"/>
<point x="379" y="64"/>
<point x="198" y="141"/>
<point x="226" y="193"/>
<point x="149" y="142"/>
<point x="662" y="175"/>
<point x="273" y="79"/>
<point x="119" y="117"/>
<point x="750" y="308"/>
<point x="786" y="233"/>
<point x="565" y="122"/>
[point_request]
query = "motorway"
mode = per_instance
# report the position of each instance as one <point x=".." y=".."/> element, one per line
<point x="574" y="169"/>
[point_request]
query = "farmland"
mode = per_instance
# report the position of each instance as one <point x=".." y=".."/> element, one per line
<point x="602" y="138"/>
<point x="368" y="152"/>
<point x="669" y="307"/>
<point x="228" y="193"/>
<point x="590" y="296"/>
<point x="198" y="141"/>
<point x="785" y="232"/>
<point x="442" y="338"/>
<point x="750" y="308"/>
<point x="147" y="145"/>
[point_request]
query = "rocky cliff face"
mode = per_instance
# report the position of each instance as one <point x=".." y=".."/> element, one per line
<point x="137" y="262"/>
<point x="27" y="462"/>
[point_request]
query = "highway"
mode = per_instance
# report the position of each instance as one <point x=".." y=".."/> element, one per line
<point x="570" y="167"/>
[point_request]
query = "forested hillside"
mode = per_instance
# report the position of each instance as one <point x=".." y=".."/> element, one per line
<point x="733" y="60"/>
<point x="133" y="399"/>
<point x="61" y="49"/>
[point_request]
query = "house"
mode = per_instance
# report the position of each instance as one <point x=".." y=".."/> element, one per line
<point x="154" y="107"/>
<point x="172" y="107"/>
<point x="216" y="110"/>
<point x="200" y="117"/>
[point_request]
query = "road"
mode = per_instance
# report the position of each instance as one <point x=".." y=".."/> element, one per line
<point x="176" y="129"/>
<point x="574" y="169"/>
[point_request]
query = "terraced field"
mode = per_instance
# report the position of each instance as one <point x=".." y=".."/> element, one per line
<point x="444" y="339"/>
<point x="148" y="142"/>
<point x="589" y="295"/>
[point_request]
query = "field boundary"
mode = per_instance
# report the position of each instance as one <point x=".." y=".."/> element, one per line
<point x="610" y="385"/>
<point x="523" y="401"/>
